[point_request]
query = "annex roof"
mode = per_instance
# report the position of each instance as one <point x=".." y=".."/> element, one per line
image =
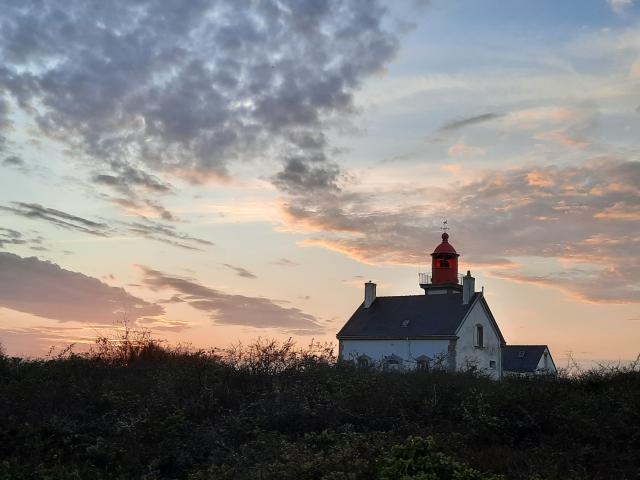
<point x="408" y="316"/>
<point x="522" y="358"/>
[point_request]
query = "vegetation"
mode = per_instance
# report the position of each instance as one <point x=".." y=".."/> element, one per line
<point x="134" y="408"/>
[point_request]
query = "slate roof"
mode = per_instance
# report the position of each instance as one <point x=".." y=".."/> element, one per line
<point x="427" y="315"/>
<point x="513" y="362"/>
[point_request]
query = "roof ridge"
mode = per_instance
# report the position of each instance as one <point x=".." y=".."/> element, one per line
<point x="527" y="345"/>
<point x="401" y="296"/>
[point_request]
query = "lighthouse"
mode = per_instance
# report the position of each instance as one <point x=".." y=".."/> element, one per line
<point x="444" y="276"/>
<point x="449" y="327"/>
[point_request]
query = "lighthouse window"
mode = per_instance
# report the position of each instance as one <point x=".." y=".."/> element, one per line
<point x="479" y="336"/>
<point x="444" y="263"/>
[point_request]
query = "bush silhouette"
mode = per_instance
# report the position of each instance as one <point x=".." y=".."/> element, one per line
<point x="418" y="459"/>
<point x="135" y="407"/>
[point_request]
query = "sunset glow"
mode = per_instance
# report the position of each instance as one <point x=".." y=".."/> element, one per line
<point x="224" y="171"/>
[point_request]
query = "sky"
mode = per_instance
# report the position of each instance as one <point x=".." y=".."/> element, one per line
<point x="221" y="171"/>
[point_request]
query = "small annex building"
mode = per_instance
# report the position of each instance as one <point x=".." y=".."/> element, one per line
<point x="527" y="360"/>
<point x="449" y="327"/>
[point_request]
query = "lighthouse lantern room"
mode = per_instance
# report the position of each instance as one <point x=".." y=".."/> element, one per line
<point x="444" y="276"/>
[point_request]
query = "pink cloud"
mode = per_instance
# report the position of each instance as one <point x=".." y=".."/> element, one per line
<point x="545" y="212"/>
<point x="561" y="137"/>
<point x="46" y="290"/>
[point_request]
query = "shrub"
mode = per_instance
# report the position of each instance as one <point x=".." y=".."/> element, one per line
<point x="135" y="407"/>
<point x="419" y="459"/>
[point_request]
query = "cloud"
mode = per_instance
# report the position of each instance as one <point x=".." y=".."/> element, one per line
<point x="41" y="338"/>
<point x="285" y="262"/>
<point x="584" y="215"/>
<point x="465" y="122"/>
<point x="136" y="186"/>
<point x="10" y="237"/>
<point x="620" y="5"/>
<point x="144" y="227"/>
<point x="129" y="177"/>
<point x="300" y="176"/>
<point x="540" y="179"/>
<point x="58" y="218"/>
<point x="13" y="162"/>
<point x="144" y="208"/>
<point x="586" y="285"/>
<point x="5" y="122"/>
<point x="188" y="89"/>
<point x="543" y="116"/>
<point x="162" y="325"/>
<point x="165" y="233"/>
<point x="561" y="137"/>
<point x="241" y="272"/>
<point x="45" y="289"/>
<point x="461" y="149"/>
<point x="230" y="309"/>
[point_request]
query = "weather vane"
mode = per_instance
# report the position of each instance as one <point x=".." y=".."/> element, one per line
<point x="444" y="226"/>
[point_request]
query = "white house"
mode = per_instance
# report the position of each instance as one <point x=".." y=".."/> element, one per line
<point x="449" y="327"/>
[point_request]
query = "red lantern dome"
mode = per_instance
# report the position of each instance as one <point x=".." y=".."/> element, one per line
<point x="444" y="263"/>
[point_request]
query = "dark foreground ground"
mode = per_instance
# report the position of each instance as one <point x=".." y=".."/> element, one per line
<point x="137" y="410"/>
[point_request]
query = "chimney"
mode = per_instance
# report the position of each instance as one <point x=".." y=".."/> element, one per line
<point x="369" y="293"/>
<point x="468" y="287"/>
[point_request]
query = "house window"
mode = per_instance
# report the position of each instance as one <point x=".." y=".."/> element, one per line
<point x="405" y="322"/>
<point x="521" y="354"/>
<point x="392" y="363"/>
<point x="422" y="365"/>
<point x="479" y="336"/>
<point x="363" y="362"/>
<point x="492" y="364"/>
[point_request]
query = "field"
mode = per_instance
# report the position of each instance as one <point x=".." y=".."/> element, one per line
<point x="138" y="409"/>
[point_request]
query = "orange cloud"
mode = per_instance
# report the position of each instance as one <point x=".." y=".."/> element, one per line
<point x="601" y="190"/>
<point x="539" y="179"/>
<point x="501" y="214"/>
<point x="620" y="211"/>
<point x="460" y="149"/>
<point x="561" y="137"/>
<point x="454" y="169"/>
<point x="532" y="118"/>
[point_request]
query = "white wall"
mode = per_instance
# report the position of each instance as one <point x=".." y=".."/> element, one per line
<point x="467" y="354"/>
<point x="407" y="350"/>
<point x="549" y="368"/>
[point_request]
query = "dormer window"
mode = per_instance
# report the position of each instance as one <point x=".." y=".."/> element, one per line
<point x="422" y="363"/>
<point x="479" y="337"/>
<point x="392" y="362"/>
<point x="363" y="361"/>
